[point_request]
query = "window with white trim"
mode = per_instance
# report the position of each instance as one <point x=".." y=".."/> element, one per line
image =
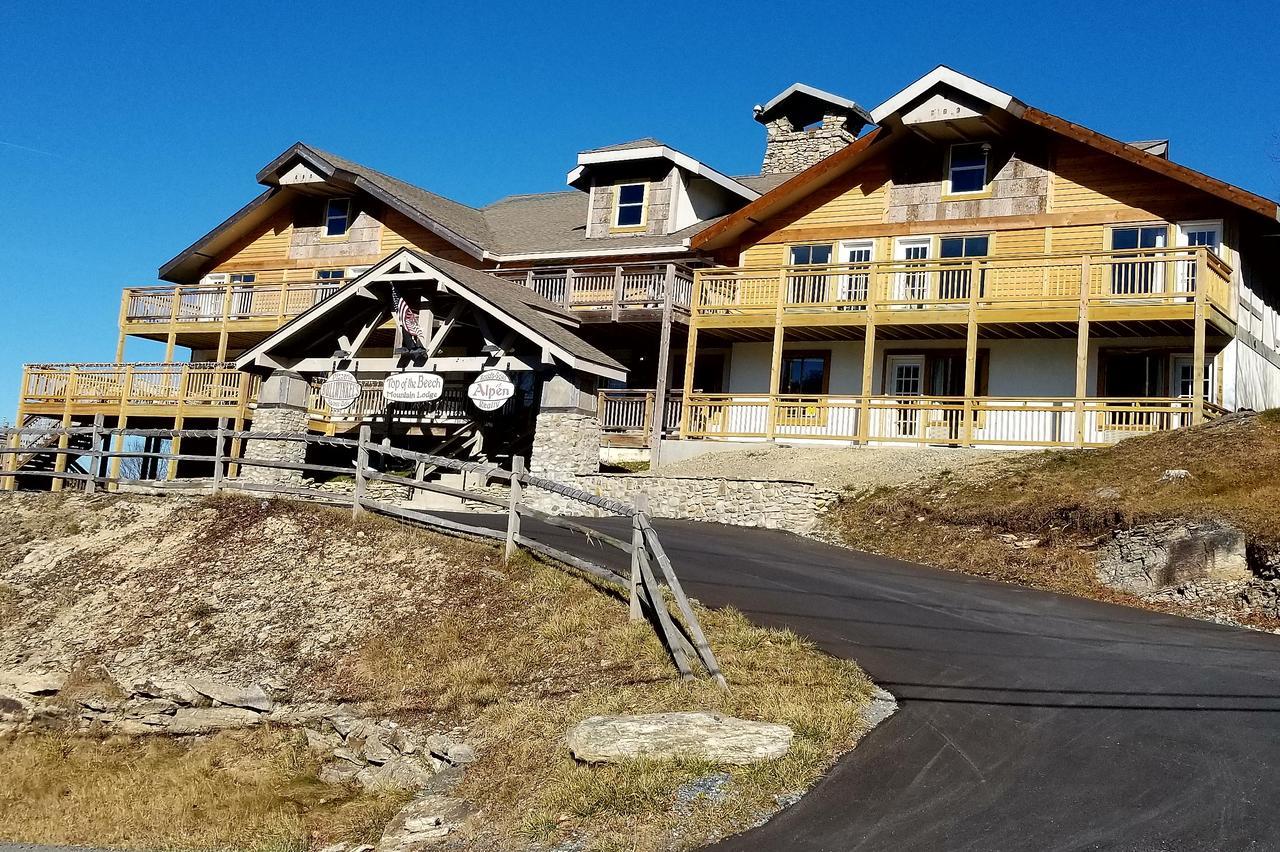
<point x="967" y="167"/>
<point x="337" y="216"/>
<point x="629" y="204"/>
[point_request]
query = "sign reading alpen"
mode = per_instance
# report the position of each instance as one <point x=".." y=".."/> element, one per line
<point x="491" y="390"/>
<point x="412" y="387"/>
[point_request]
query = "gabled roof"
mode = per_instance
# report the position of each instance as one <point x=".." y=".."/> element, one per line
<point x="799" y="186"/>
<point x="652" y="149"/>
<point x="809" y="104"/>
<point x="519" y="309"/>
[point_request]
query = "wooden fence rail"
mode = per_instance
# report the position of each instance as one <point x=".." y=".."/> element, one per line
<point x="100" y="459"/>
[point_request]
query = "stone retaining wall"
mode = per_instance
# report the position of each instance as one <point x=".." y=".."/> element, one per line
<point x="793" y="506"/>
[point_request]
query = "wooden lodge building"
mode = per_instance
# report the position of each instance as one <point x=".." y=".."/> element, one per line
<point x="952" y="267"/>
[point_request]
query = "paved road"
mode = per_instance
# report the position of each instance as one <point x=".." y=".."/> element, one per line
<point x="1028" y="720"/>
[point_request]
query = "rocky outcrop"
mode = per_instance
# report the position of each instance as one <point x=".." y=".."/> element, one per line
<point x="1152" y="558"/>
<point x="697" y="736"/>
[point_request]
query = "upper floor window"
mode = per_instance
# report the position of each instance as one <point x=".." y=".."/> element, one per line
<point x="805" y="255"/>
<point x="629" y="204"/>
<point x="967" y="169"/>
<point x="337" y="216"/>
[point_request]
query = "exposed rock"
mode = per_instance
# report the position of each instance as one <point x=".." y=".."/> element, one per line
<point x="1157" y="556"/>
<point x="703" y="736"/>
<point x="338" y="772"/>
<point x="396" y="774"/>
<point x="179" y="693"/>
<point x="34" y="684"/>
<point x="206" y="720"/>
<point x="1175" y="475"/>
<point x="427" y="819"/>
<point x="253" y="697"/>
<point x="375" y="750"/>
<point x="882" y="706"/>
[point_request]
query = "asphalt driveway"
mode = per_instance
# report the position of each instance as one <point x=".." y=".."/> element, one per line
<point x="1028" y="720"/>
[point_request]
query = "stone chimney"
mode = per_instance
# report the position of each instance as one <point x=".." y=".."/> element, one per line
<point x="805" y="125"/>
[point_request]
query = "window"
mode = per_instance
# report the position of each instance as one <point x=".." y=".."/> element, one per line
<point x="629" y="204"/>
<point x="954" y="279"/>
<point x="1182" y="377"/>
<point x="804" y="373"/>
<point x="327" y="283"/>
<point x="967" y="171"/>
<point x="242" y="293"/>
<point x="337" y="216"/>
<point x="811" y="288"/>
<point x="1145" y="274"/>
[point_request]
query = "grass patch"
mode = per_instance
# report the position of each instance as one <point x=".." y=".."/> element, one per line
<point x="550" y="650"/>
<point x="1052" y="506"/>
<point x="237" y="790"/>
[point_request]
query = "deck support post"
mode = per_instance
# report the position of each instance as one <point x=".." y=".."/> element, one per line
<point x="868" y="367"/>
<point x="1197" y="359"/>
<point x="64" y="440"/>
<point x="971" y="354"/>
<point x="1082" y="350"/>
<point x="663" y="383"/>
<point x="690" y="358"/>
<point x="775" y="365"/>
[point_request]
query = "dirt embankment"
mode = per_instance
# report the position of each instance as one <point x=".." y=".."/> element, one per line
<point x="1036" y="518"/>
<point x="430" y="633"/>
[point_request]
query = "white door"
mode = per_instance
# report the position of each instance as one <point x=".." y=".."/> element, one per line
<point x="1190" y="235"/>
<point x="911" y="286"/>
<point x="854" y="285"/>
<point x="905" y="380"/>
<point x="1181" y="378"/>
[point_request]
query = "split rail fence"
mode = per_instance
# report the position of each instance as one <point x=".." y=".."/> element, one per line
<point x="650" y="566"/>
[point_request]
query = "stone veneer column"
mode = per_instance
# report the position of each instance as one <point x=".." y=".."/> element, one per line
<point x="282" y="407"/>
<point x="566" y="437"/>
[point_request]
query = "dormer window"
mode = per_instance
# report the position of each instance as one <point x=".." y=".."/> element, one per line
<point x="337" y="217"/>
<point x="967" y="169"/>
<point x="629" y="205"/>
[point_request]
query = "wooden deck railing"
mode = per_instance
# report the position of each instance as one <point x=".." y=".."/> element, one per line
<point x="933" y="420"/>
<point x="265" y="302"/>
<point x="232" y="455"/>
<point x="630" y="411"/>
<point x="619" y="287"/>
<point x="1168" y="276"/>
<point x="197" y="388"/>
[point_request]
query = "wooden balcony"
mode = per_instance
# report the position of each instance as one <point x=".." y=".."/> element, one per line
<point x="613" y="292"/>
<point x="1141" y="286"/>
<point x="627" y="416"/>
<point x="226" y="315"/>
<point x="76" y="391"/>
<point x="937" y="421"/>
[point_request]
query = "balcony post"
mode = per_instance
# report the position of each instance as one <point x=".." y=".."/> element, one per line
<point x="224" y="332"/>
<point x="172" y="338"/>
<point x="1197" y="358"/>
<point x="617" y="291"/>
<point x="64" y="440"/>
<point x="868" y="366"/>
<point x="1082" y="348"/>
<point x="690" y="356"/>
<point x="663" y="383"/>
<point x="971" y="353"/>
<point x="283" y="309"/>
<point x="775" y="366"/>
<point x="175" y="446"/>
<point x="124" y="318"/>
<point x="568" y="286"/>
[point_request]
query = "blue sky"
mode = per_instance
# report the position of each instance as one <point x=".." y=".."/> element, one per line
<point x="128" y="130"/>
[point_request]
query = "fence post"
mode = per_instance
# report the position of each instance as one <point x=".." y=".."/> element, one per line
<point x="217" y="455"/>
<point x="91" y="484"/>
<point x="362" y="465"/>
<point x="513" y="508"/>
<point x="641" y="501"/>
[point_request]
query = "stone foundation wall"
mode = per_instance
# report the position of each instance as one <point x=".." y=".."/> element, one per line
<point x="1155" y="557"/>
<point x="792" y="506"/>
<point x="275" y="419"/>
<point x="565" y="445"/>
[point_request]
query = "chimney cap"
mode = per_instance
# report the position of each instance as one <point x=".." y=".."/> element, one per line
<point x="805" y="104"/>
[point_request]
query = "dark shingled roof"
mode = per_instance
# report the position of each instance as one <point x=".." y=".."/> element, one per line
<point x="642" y="142"/>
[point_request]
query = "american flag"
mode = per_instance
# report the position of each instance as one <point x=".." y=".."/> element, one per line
<point x="407" y="318"/>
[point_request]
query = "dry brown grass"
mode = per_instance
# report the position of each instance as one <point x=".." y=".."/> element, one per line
<point x="550" y="650"/>
<point x="245" y="790"/>
<point x="1065" y="500"/>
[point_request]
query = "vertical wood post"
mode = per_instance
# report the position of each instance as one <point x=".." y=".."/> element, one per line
<point x="172" y="338"/>
<point x="513" y="506"/>
<point x="1082" y="349"/>
<point x="569" y="275"/>
<point x="1197" y="357"/>
<point x="663" y="384"/>
<point x="14" y="441"/>
<point x="617" y="291"/>
<point x="362" y="465"/>
<point x="124" y="318"/>
<point x="95" y="454"/>
<point x="868" y="368"/>
<point x="218" y="468"/>
<point x="775" y="367"/>
<point x="64" y="440"/>
<point x="690" y="359"/>
<point x="971" y="353"/>
<point x="224" y="331"/>
<point x="641" y="501"/>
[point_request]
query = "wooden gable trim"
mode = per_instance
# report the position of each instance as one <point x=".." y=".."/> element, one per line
<point x="1159" y="165"/>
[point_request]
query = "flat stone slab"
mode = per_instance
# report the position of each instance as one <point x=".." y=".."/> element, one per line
<point x="253" y="697"/>
<point x="701" y="736"/>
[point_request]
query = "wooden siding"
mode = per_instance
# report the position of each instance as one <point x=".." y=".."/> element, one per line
<point x="399" y="231"/>
<point x="265" y="248"/>
<point x="859" y="197"/>
<point x="1085" y="178"/>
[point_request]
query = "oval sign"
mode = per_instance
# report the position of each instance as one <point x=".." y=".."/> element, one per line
<point x="491" y="390"/>
<point x="340" y="390"/>
<point x="412" y="387"/>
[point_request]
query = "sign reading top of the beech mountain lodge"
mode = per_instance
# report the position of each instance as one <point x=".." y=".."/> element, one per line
<point x="412" y="387"/>
<point x="340" y="390"/>
<point x="490" y="390"/>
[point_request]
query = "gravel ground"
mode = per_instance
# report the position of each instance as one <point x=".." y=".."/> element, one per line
<point x="837" y="468"/>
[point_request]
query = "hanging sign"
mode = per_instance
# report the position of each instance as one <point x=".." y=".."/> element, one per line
<point x="340" y="390"/>
<point x="491" y="390"/>
<point x="412" y="387"/>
